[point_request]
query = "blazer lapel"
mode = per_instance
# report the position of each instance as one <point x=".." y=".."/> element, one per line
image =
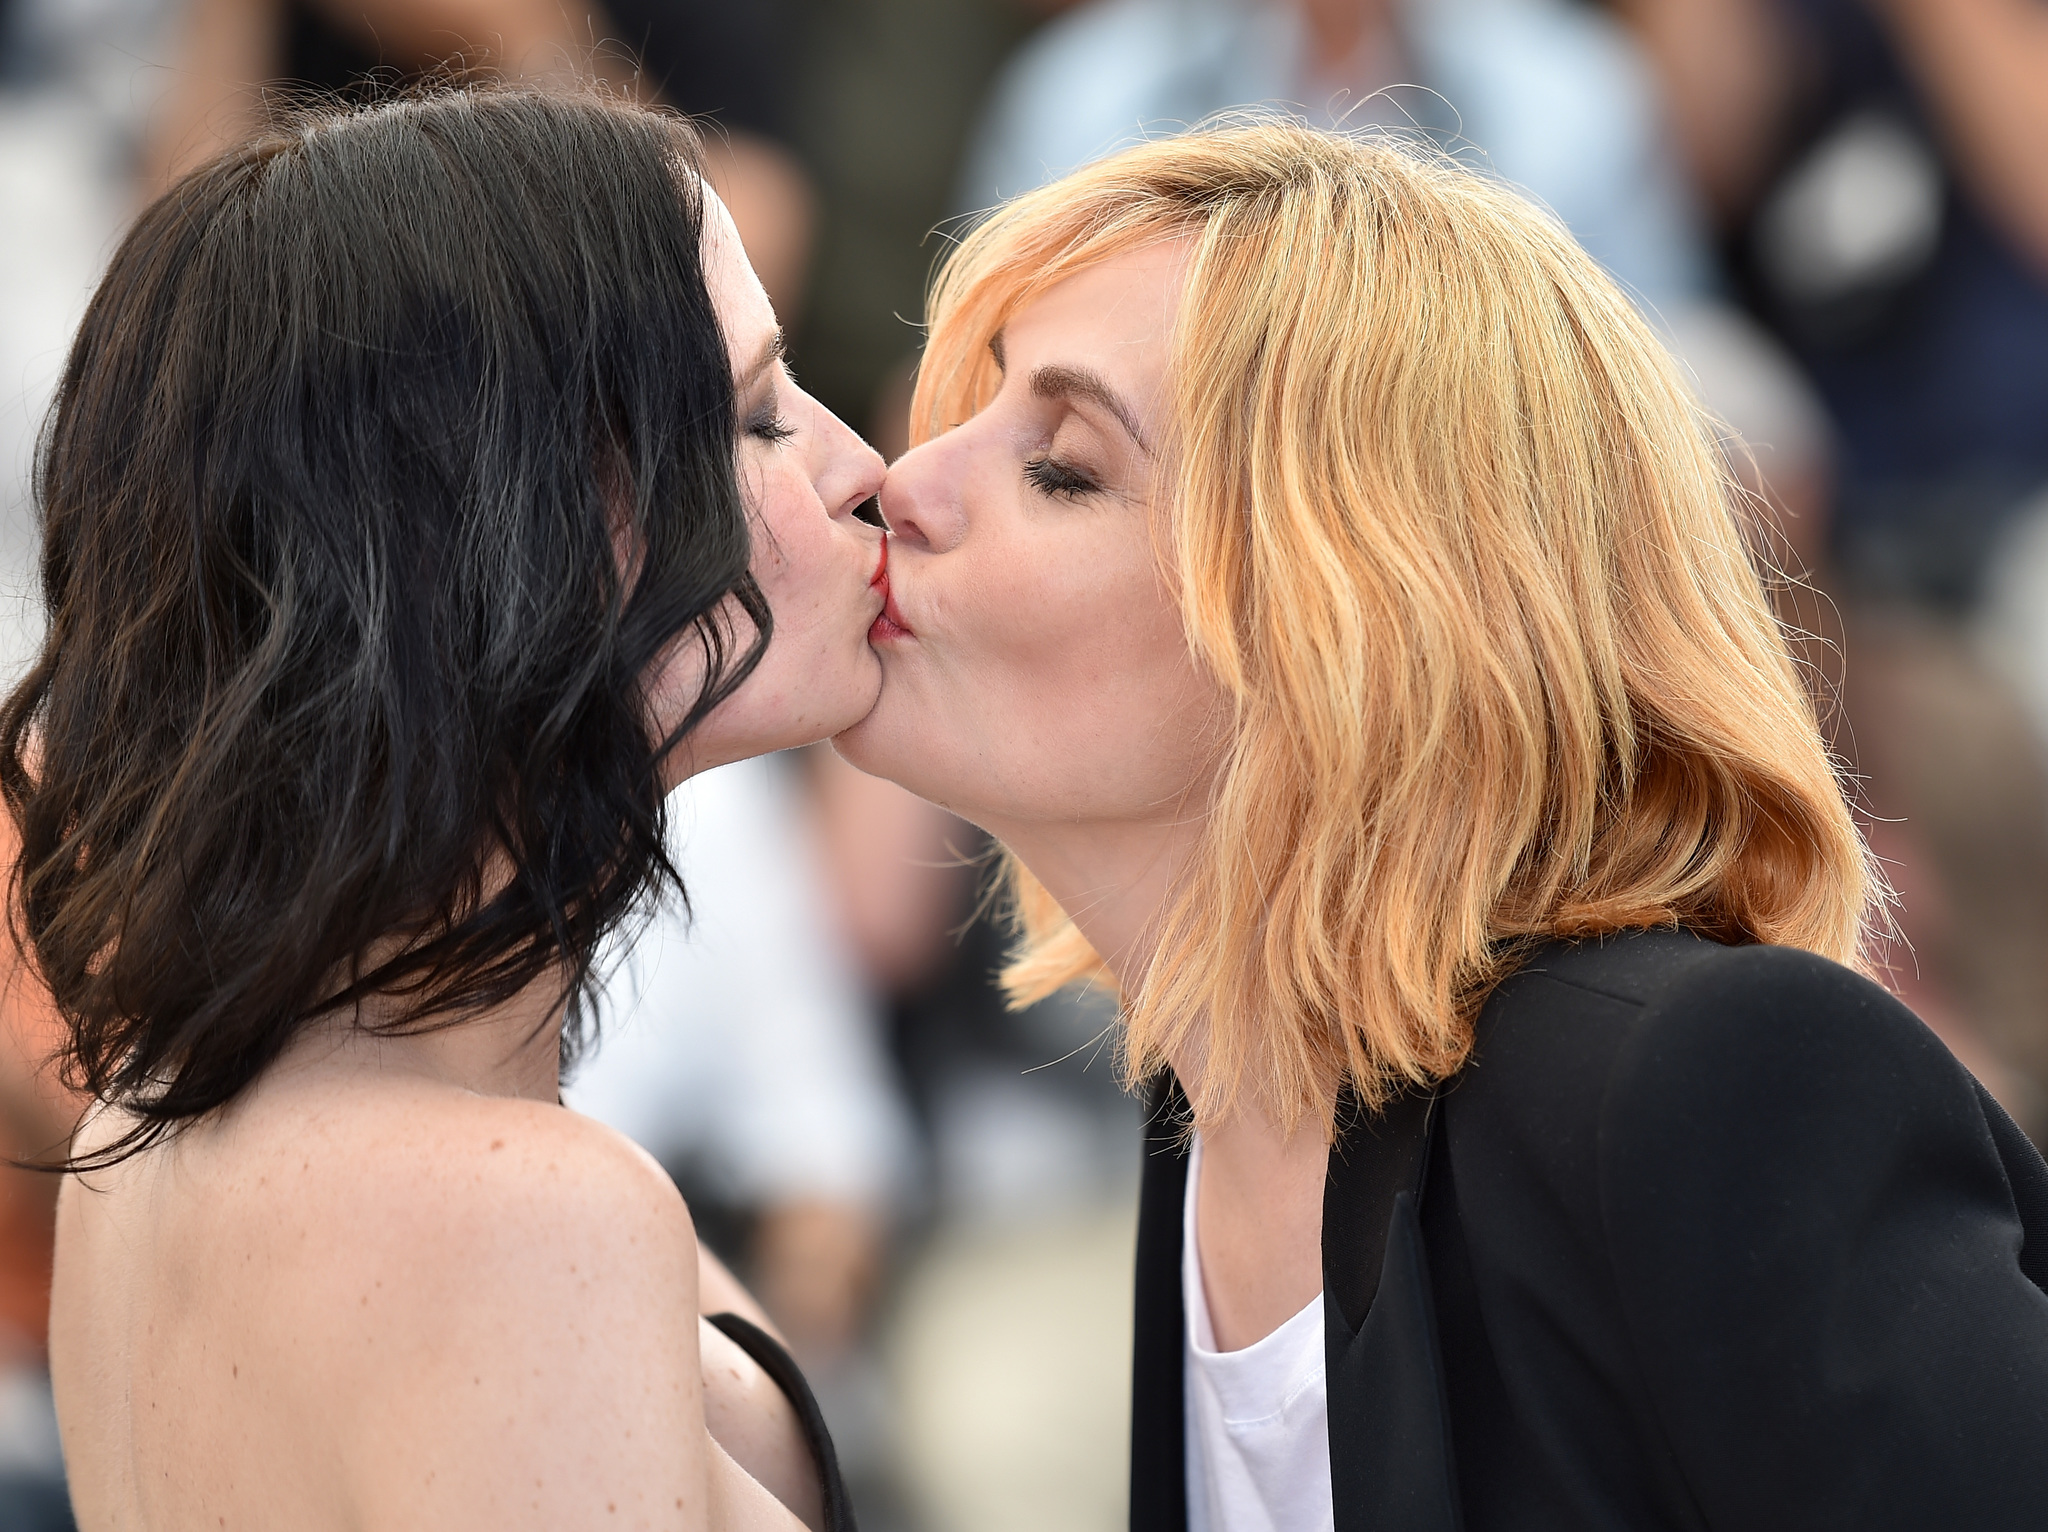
<point x="1159" y="1486"/>
<point x="1390" y="1451"/>
<point x="1390" y="1447"/>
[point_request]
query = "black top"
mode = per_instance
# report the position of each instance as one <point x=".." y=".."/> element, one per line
<point x="1703" y="1237"/>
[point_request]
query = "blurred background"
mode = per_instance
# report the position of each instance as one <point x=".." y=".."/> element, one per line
<point x="1836" y="210"/>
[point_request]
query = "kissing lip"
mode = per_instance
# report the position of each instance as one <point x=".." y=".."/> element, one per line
<point x="889" y="621"/>
<point x="893" y="615"/>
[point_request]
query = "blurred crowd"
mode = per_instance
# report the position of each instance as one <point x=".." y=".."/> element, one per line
<point x="1835" y="210"/>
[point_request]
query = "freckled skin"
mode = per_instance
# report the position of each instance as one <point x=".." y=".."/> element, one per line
<point x="545" y="1361"/>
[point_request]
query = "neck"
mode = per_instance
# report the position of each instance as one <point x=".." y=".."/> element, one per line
<point x="1258" y="1221"/>
<point x="1259" y="1206"/>
<point x="513" y="1049"/>
<point x="1113" y="878"/>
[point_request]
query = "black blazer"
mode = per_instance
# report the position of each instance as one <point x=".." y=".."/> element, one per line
<point x="1702" y="1237"/>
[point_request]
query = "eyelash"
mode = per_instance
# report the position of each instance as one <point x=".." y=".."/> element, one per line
<point x="1049" y="476"/>
<point x="770" y="427"/>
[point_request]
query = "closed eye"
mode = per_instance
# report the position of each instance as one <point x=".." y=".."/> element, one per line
<point x="1049" y="476"/>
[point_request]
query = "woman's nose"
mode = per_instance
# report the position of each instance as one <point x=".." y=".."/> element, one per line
<point x="920" y="501"/>
<point x="853" y="471"/>
<point x="844" y="470"/>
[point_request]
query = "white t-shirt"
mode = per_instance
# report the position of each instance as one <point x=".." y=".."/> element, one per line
<point x="1257" y="1420"/>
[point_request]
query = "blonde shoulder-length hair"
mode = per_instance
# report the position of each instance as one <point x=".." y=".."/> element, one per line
<point x="1444" y="521"/>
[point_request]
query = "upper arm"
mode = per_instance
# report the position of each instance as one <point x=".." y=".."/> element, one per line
<point x="720" y="1292"/>
<point x="1816" y="1248"/>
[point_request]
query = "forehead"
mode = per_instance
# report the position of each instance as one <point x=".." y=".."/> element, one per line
<point x="1117" y="316"/>
<point x="737" y="294"/>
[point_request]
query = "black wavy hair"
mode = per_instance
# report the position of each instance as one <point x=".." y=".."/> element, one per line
<point x="396" y="448"/>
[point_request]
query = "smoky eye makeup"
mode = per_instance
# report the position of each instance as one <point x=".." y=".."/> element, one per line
<point x="763" y="418"/>
<point x="770" y="426"/>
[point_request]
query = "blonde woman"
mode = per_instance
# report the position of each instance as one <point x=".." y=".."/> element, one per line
<point x="1319" y="578"/>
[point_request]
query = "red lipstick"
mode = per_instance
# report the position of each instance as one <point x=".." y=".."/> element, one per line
<point x="889" y="621"/>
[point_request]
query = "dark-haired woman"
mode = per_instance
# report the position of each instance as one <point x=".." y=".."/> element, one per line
<point x="425" y="497"/>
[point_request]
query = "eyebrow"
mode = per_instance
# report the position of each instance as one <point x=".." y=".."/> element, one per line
<point x="1057" y="381"/>
<point x="774" y="351"/>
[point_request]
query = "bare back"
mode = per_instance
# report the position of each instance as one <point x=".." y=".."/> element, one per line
<point x="362" y="1299"/>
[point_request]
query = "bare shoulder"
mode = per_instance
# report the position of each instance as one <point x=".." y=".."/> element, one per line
<point x="499" y="1298"/>
<point x="405" y="1305"/>
<point x="518" y="1173"/>
<point x="429" y="1176"/>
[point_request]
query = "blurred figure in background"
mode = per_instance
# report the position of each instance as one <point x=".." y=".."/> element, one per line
<point x="1880" y="172"/>
<point x="36" y="1118"/>
<point x="72" y="110"/>
<point x="725" y="62"/>
<point x="734" y="64"/>
<point x="230" y="51"/>
<point x="71" y="116"/>
<point x="886" y="93"/>
<point x="1551" y="93"/>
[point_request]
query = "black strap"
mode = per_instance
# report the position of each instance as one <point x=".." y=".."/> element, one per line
<point x="781" y="1366"/>
<point x="1159" y="1480"/>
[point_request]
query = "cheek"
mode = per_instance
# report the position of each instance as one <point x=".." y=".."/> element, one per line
<point x="782" y="536"/>
<point x="1076" y="678"/>
<point x="1080" y="636"/>
<point x="804" y="568"/>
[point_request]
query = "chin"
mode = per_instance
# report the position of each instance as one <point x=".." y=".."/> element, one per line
<point x="821" y="712"/>
<point x="769" y="713"/>
<point x="855" y="742"/>
<point x="871" y="744"/>
<point x="880" y="745"/>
